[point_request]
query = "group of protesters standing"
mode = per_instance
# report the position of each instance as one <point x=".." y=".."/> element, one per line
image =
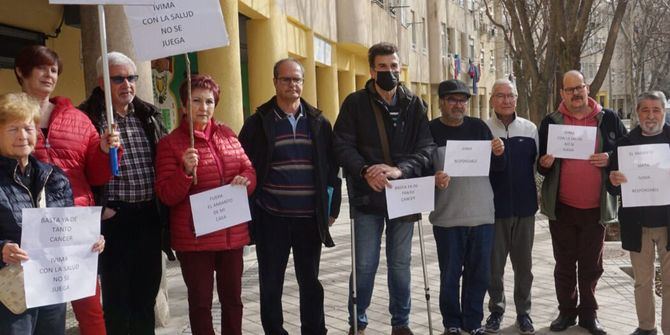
<point x="288" y="157"/>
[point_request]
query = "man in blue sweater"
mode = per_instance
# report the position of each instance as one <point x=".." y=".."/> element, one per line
<point x="515" y="199"/>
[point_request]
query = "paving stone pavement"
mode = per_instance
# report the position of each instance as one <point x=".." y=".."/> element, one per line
<point x="615" y="290"/>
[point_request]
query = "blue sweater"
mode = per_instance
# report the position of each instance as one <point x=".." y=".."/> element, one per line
<point x="514" y="190"/>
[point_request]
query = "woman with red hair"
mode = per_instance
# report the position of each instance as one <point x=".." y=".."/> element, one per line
<point x="217" y="159"/>
<point x="67" y="139"/>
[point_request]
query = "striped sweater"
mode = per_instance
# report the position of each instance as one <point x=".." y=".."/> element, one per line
<point x="289" y="188"/>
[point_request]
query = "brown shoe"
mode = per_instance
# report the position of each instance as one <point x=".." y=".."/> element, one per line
<point x="401" y="330"/>
<point x="361" y="331"/>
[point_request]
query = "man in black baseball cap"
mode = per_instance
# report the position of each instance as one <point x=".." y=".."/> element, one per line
<point x="464" y="238"/>
<point x="453" y="86"/>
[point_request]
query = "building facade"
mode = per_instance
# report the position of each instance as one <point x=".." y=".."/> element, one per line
<point x="437" y="39"/>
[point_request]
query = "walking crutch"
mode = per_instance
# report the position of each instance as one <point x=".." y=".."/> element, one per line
<point x="354" y="303"/>
<point x="425" y="277"/>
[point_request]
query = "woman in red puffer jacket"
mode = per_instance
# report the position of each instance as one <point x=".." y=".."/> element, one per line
<point x="68" y="140"/>
<point x="217" y="159"/>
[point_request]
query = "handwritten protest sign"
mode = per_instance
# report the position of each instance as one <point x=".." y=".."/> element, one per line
<point x="647" y="170"/>
<point x="410" y="196"/>
<point x="572" y="142"/>
<point x="467" y="158"/>
<point x="175" y="27"/>
<point x="219" y="208"/>
<point x="58" y="241"/>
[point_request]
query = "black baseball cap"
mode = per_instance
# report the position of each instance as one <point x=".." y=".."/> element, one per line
<point x="453" y="86"/>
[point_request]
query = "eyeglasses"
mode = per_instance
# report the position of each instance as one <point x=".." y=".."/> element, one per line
<point x="289" y="80"/>
<point x="501" y="96"/>
<point x="454" y="101"/>
<point x="573" y="90"/>
<point x="120" y="79"/>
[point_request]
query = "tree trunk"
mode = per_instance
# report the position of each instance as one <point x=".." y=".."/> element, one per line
<point x="609" y="48"/>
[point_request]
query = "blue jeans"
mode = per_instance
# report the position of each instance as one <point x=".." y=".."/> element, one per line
<point x="45" y="320"/>
<point x="463" y="251"/>
<point x="368" y="229"/>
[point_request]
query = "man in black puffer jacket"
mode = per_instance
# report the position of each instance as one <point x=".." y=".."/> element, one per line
<point x="358" y="147"/>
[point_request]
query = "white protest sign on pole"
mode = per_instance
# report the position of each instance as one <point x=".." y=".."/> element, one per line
<point x="647" y="170"/>
<point x="102" y="2"/>
<point x="58" y="241"/>
<point x="467" y="158"/>
<point x="219" y="208"/>
<point x="174" y="27"/>
<point x="572" y="142"/>
<point x="410" y="196"/>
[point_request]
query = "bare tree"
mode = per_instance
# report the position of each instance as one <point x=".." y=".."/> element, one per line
<point x="647" y="32"/>
<point x="546" y="38"/>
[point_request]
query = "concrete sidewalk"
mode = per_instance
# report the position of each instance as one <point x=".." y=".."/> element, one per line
<point x="615" y="290"/>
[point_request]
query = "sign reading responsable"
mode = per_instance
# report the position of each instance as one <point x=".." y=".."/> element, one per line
<point x="175" y="27"/>
<point x="467" y="158"/>
<point x="62" y="267"/>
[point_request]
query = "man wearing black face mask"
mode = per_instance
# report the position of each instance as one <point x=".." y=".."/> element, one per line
<point x="382" y="134"/>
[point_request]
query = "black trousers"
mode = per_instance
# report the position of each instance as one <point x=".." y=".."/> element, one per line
<point x="275" y="237"/>
<point x="130" y="268"/>
<point x="578" y="240"/>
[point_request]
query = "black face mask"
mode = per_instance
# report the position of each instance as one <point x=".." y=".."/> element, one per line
<point x="387" y="80"/>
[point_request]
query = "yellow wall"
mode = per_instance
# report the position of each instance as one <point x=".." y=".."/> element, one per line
<point x="266" y="44"/>
<point x="71" y="81"/>
<point x="8" y="82"/>
<point x="218" y="63"/>
<point x="255" y="9"/>
<point x="35" y="15"/>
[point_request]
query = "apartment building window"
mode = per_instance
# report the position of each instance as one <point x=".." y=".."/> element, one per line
<point x="493" y="60"/>
<point x="451" y="40"/>
<point x="464" y="46"/>
<point x="472" y="48"/>
<point x="403" y="17"/>
<point x="443" y="39"/>
<point x="413" y="23"/>
<point x="424" y="43"/>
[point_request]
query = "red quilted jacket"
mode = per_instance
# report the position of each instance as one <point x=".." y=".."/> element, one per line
<point x="73" y="144"/>
<point x="221" y="158"/>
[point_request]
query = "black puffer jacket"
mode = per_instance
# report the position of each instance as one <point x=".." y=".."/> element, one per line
<point x="14" y="195"/>
<point x="150" y="117"/>
<point x="632" y="219"/>
<point x="148" y="114"/>
<point x="357" y="144"/>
